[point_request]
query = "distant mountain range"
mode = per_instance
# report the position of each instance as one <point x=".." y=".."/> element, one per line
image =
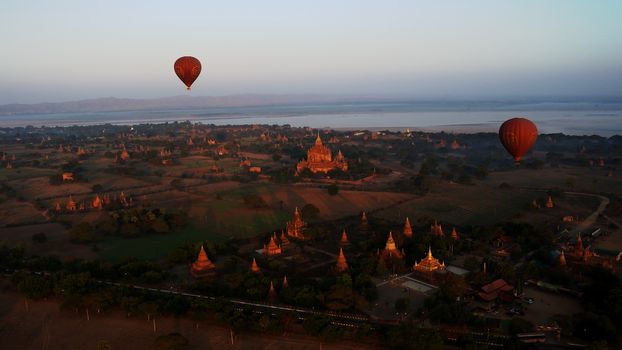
<point x="113" y="104"/>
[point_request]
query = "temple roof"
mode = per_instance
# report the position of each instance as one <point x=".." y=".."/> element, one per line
<point x="429" y="263"/>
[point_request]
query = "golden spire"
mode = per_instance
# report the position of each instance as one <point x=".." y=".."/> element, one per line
<point x="390" y="243"/>
<point x="285" y="283"/>
<point x="318" y="140"/>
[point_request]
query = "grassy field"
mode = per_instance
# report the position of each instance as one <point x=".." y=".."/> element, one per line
<point x="154" y="246"/>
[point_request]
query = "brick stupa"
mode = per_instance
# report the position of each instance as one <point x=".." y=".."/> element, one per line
<point x="203" y="266"/>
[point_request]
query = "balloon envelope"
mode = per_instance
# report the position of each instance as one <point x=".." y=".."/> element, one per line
<point x="187" y="69"/>
<point x="518" y="136"/>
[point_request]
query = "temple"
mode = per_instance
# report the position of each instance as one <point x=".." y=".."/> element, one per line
<point x="454" y="234"/>
<point x="96" y="203"/>
<point x="202" y="267"/>
<point x="295" y="227"/>
<point x="320" y="159"/>
<point x="71" y="204"/>
<point x="437" y="230"/>
<point x="284" y="240"/>
<point x="124" y="154"/>
<point x="342" y="264"/>
<point x="429" y="264"/>
<point x="549" y="202"/>
<point x="390" y="250"/>
<point x="272" y="248"/>
<point x="408" y="231"/>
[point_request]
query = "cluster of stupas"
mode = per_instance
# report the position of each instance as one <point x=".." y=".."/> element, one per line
<point x="98" y="202"/>
<point x="436" y="229"/>
<point x="296" y="225"/>
<point x="320" y="159"/>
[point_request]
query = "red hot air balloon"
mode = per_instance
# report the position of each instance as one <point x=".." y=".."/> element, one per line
<point x="187" y="69"/>
<point x="518" y="136"/>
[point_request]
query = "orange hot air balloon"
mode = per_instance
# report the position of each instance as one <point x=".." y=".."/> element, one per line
<point x="518" y="136"/>
<point x="187" y="69"/>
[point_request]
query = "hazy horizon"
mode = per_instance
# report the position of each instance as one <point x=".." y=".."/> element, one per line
<point x="69" y="50"/>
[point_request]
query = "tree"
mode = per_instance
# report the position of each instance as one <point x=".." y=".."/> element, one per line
<point x="310" y="212"/>
<point x="401" y="304"/>
<point x="333" y="189"/>
<point x="35" y="287"/>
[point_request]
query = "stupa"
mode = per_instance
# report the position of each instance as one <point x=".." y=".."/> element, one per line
<point x="408" y="231"/>
<point x="203" y="266"/>
<point x="295" y="227"/>
<point x="342" y="264"/>
<point x="390" y="250"/>
<point x="344" y="238"/>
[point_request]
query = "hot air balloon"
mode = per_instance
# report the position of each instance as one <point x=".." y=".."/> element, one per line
<point x="518" y="136"/>
<point x="187" y="69"/>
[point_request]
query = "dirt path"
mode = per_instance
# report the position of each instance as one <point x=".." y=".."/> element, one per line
<point x="590" y="220"/>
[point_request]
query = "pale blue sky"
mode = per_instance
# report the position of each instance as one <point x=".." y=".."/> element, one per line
<point x="61" y="50"/>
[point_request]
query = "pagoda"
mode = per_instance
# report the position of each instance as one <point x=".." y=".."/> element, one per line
<point x="320" y="159"/>
<point x="71" y="204"/>
<point x="272" y="249"/>
<point x="429" y="264"/>
<point x="390" y="250"/>
<point x="285" y="283"/>
<point x="454" y="234"/>
<point x="408" y="231"/>
<point x="96" y="203"/>
<point x="57" y="206"/>
<point x="344" y="238"/>
<point x="342" y="264"/>
<point x="454" y="145"/>
<point x="549" y="202"/>
<point x="295" y="227"/>
<point x="578" y="250"/>
<point x="124" y="154"/>
<point x="284" y="240"/>
<point x="255" y="267"/>
<point x="436" y="229"/>
<point x="271" y="292"/>
<point x="562" y="259"/>
<point x="202" y="267"/>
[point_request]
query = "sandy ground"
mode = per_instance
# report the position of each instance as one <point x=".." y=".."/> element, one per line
<point x="43" y="326"/>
